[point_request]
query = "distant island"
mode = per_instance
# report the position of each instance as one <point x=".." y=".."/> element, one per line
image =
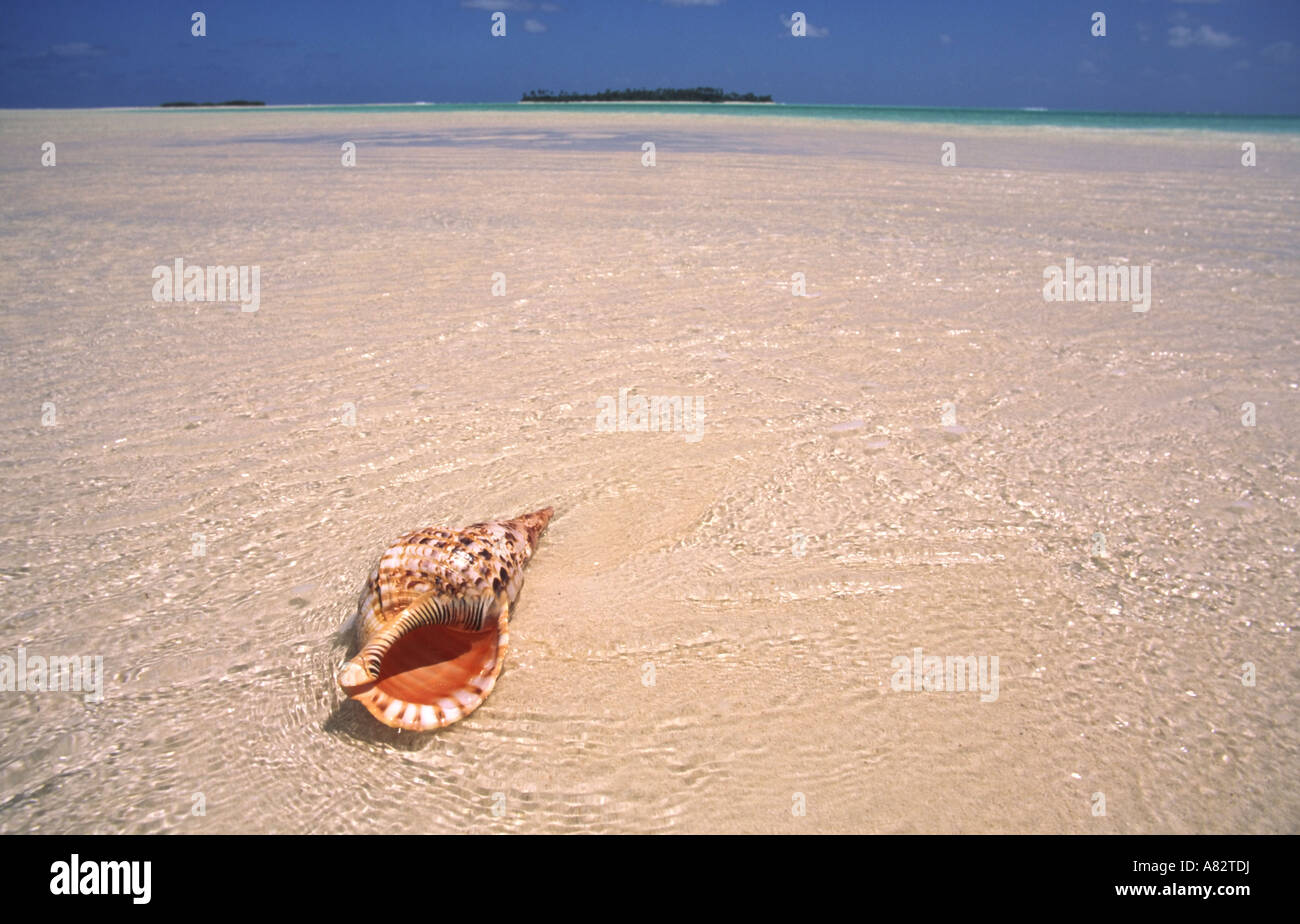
<point x="229" y="102"/>
<point x="661" y="95"/>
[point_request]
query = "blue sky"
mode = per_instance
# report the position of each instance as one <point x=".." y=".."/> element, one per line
<point x="1158" y="55"/>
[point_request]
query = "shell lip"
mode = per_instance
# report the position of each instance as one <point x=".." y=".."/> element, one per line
<point x="431" y="675"/>
<point x="353" y="680"/>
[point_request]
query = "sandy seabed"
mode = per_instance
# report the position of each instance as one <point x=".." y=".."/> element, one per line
<point x="918" y="453"/>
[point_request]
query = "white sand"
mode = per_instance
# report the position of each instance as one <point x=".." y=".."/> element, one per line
<point x="1118" y="675"/>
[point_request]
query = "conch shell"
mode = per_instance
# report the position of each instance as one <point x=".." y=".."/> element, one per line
<point x="433" y="619"/>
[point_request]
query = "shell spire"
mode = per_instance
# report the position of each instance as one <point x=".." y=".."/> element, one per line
<point x="433" y="621"/>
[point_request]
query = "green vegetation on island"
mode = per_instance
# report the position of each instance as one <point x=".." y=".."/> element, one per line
<point x="229" y="102"/>
<point x="641" y="95"/>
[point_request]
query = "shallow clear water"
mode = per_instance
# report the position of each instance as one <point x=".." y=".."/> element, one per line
<point x="706" y="638"/>
<point x="922" y="115"/>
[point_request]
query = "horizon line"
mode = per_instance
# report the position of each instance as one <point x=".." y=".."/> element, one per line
<point x="520" y="102"/>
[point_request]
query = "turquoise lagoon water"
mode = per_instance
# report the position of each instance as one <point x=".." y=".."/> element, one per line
<point x="1018" y="117"/>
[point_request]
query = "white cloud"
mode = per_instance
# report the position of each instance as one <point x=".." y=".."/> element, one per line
<point x="532" y="25"/>
<point x="813" y="31"/>
<point x="75" y="50"/>
<point x="1278" y="51"/>
<point x="1186" y="36"/>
